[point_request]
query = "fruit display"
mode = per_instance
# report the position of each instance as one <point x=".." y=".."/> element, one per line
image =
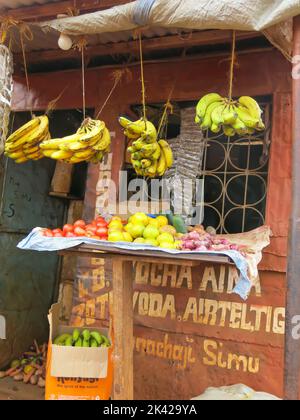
<point x="142" y="229"/>
<point x="201" y="240"/>
<point x="30" y="368"/>
<point x="89" y="144"/>
<point x="85" y="338"/>
<point x="97" y="229"/>
<point x="150" y="157"/>
<point x="241" y="117"/>
<point x="24" y="144"/>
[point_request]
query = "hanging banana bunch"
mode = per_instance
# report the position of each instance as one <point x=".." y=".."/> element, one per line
<point x="149" y="157"/>
<point x="241" y="117"/>
<point x="89" y="144"/>
<point x="24" y="144"/>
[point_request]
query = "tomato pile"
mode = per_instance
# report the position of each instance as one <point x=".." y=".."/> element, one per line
<point x="97" y="229"/>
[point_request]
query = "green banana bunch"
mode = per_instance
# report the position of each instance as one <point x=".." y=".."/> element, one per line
<point x="241" y="117"/>
<point x="84" y="339"/>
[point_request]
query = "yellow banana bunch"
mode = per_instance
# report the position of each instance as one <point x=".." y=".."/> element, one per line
<point x="241" y="117"/>
<point x="24" y="144"/>
<point x="89" y="144"/>
<point x="140" y="129"/>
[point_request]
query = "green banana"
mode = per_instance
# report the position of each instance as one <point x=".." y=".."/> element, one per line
<point x="78" y="342"/>
<point x="97" y="336"/>
<point x="76" y="335"/>
<point x="86" y="335"/>
<point x="204" y="103"/>
<point x="86" y="343"/>
<point x="94" y="343"/>
<point x="61" y="339"/>
<point x="69" y="341"/>
<point x="106" y="342"/>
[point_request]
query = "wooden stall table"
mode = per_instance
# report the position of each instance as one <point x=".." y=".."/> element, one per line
<point x="123" y="281"/>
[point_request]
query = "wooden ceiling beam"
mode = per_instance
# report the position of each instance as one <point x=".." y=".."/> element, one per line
<point x="51" y="10"/>
<point x="149" y="44"/>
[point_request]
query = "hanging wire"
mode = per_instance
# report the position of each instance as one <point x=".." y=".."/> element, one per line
<point x="117" y="77"/>
<point x="81" y="45"/>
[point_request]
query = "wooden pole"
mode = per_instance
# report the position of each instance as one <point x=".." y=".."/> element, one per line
<point x="292" y="342"/>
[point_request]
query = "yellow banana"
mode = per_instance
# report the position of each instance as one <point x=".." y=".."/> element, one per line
<point x="86" y="154"/>
<point x="104" y="143"/>
<point x="206" y="121"/>
<point x="124" y="122"/>
<point x="31" y="151"/>
<point x="167" y="152"/>
<point x="254" y="109"/>
<point x="139" y="144"/>
<point x="16" y="155"/>
<point x="151" y="171"/>
<point x="146" y="163"/>
<point x="148" y="150"/>
<point x="204" y="103"/>
<point x="35" y="156"/>
<point x="229" y="115"/>
<point x="156" y="154"/>
<point x="161" y="165"/>
<point x="55" y="143"/>
<point x="21" y="160"/>
<point x="97" y="158"/>
<point x="228" y="131"/>
<point x="61" y="155"/>
<point x="48" y="152"/>
<point x="217" y="115"/>
<point x="96" y="130"/>
<point x="130" y="135"/>
<point x="22" y="131"/>
<point x="215" y="128"/>
<point x="246" y="118"/>
<point x="240" y="127"/>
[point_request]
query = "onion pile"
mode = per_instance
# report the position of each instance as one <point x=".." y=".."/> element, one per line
<point x="196" y="241"/>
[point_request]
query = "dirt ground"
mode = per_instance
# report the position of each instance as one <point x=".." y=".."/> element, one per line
<point x="11" y="390"/>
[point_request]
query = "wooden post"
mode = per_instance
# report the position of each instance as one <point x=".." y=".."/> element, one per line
<point x="292" y="344"/>
<point x="123" y="328"/>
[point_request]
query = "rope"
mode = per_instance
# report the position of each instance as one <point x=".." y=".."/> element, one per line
<point x="26" y="33"/>
<point x="142" y="77"/>
<point x="117" y="76"/>
<point x="81" y="46"/>
<point x="232" y="65"/>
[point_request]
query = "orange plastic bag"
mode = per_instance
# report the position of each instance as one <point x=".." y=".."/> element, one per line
<point x="76" y="388"/>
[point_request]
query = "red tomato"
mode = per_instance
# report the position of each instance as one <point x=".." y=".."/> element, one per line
<point x="102" y="224"/>
<point x="48" y="233"/>
<point x="79" y="231"/>
<point x="79" y="223"/>
<point x="57" y="231"/>
<point x="96" y="237"/>
<point x="100" y="219"/>
<point x="58" y="235"/>
<point x="101" y="231"/>
<point x="93" y="223"/>
<point x="68" y="228"/>
<point x="91" y="229"/>
<point x="104" y="238"/>
<point x="70" y="235"/>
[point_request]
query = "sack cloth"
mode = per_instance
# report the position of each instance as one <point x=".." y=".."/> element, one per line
<point x="255" y="241"/>
<point x="267" y="16"/>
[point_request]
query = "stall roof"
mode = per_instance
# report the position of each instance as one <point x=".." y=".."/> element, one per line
<point x="14" y="4"/>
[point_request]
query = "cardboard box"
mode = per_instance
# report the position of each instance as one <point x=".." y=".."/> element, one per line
<point x="75" y="362"/>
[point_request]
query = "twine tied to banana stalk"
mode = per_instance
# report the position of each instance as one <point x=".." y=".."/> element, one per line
<point x="117" y="76"/>
<point x="163" y="125"/>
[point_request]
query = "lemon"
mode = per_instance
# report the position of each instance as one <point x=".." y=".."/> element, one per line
<point x="151" y="242"/>
<point x="154" y="222"/>
<point x="139" y="241"/>
<point x="116" y="236"/>
<point x="151" y="232"/>
<point x="127" y="237"/>
<point x="165" y="237"/>
<point x="136" y="230"/>
<point x="115" y="224"/>
<point x="162" y="220"/>
<point x="139" y="218"/>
